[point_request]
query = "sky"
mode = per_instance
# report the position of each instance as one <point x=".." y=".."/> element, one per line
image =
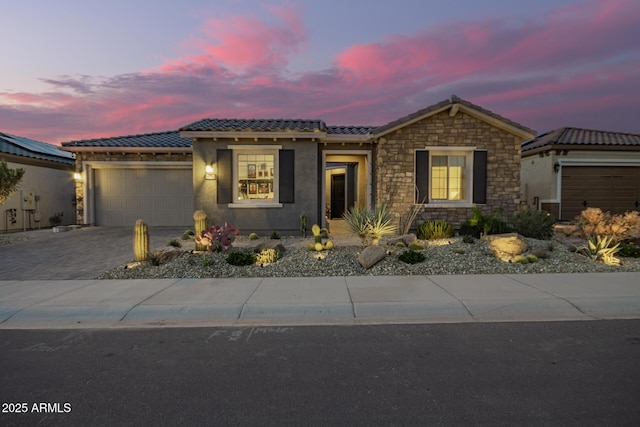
<point x="77" y="69"/>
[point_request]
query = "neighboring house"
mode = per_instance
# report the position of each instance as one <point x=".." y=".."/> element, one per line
<point x="569" y="169"/>
<point x="46" y="189"/>
<point x="260" y="175"/>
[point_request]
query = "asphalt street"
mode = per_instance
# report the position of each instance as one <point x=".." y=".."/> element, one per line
<point x="544" y="374"/>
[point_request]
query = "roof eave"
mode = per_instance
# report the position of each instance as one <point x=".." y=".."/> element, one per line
<point x="102" y="149"/>
<point x="337" y="138"/>
<point x="251" y="134"/>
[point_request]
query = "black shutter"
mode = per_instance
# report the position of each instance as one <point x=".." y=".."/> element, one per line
<point x="422" y="175"/>
<point x="286" y="176"/>
<point x="225" y="190"/>
<point x="480" y="177"/>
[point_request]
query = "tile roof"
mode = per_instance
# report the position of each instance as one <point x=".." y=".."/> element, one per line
<point x="349" y="130"/>
<point x="170" y="139"/>
<point x="257" y="125"/>
<point x="451" y="101"/>
<point x="19" y="146"/>
<point x="582" y="138"/>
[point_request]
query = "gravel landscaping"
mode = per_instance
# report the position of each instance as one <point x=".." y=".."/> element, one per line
<point x="450" y="256"/>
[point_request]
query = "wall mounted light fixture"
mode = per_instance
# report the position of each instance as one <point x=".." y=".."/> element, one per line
<point x="77" y="176"/>
<point x="209" y="173"/>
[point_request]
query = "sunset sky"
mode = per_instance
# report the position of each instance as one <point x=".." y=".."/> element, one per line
<point x="77" y="69"/>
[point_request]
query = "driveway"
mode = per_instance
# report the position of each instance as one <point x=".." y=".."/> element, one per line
<point x="79" y="254"/>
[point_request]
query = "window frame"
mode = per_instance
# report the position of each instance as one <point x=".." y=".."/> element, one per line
<point x="468" y="153"/>
<point x="273" y="150"/>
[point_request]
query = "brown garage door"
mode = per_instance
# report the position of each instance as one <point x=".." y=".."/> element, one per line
<point x="611" y="188"/>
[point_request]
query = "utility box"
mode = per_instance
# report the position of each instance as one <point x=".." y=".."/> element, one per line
<point x="27" y="200"/>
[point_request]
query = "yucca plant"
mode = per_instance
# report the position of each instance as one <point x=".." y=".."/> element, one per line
<point x="602" y="249"/>
<point x="380" y="224"/>
<point x="357" y="221"/>
<point x="373" y="224"/>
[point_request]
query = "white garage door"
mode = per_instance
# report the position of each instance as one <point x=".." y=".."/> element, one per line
<point x="160" y="197"/>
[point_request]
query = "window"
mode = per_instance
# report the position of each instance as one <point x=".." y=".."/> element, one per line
<point x="255" y="176"/>
<point x="451" y="175"/>
<point x="448" y="177"/>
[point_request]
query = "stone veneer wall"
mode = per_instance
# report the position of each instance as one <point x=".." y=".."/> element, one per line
<point x="394" y="163"/>
<point x="118" y="157"/>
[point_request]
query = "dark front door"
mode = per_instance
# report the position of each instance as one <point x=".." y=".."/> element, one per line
<point x="337" y="195"/>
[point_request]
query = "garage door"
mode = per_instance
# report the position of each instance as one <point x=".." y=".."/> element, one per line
<point x="611" y="188"/>
<point x="160" y="197"/>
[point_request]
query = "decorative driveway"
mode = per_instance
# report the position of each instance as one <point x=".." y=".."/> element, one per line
<point x="79" y="254"/>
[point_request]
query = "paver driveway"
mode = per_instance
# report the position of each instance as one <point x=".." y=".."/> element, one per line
<point x="79" y="254"/>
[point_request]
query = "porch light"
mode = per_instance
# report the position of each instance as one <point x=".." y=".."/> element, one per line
<point x="77" y="176"/>
<point x="208" y="171"/>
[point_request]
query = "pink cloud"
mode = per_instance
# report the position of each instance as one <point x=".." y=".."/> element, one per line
<point x="564" y="66"/>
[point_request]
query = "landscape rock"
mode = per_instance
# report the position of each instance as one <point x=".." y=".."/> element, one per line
<point x="371" y="255"/>
<point x="167" y="254"/>
<point x="540" y="253"/>
<point x="407" y="239"/>
<point x="511" y="243"/>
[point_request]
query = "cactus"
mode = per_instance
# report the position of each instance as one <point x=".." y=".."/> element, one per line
<point x="304" y="221"/>
<point x="532" y="258"/>
<point x="319" y="247"/>
<point x="141" y="241"/>
<point x="268" y="256"/>
<point x="200" y="225"/>
<point x="520" y="259"/>
<point x="416" y="246"/>
<point x="328" y="246"/>
<point x="253" y="236"/>
<point x="311" y="246"/>
<point x="317" y="232"/>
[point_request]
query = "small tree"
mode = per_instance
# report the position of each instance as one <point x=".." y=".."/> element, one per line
<point x="9" y="180"/>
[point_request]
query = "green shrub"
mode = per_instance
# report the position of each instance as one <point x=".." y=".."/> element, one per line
<point x="175" y="243"/>
<point x="434" y="229"/>
<point x="468" y="239"/>
<point x="532" y="223"/>
<point x="268" y="256"/>
<point x="274" y="235"/>
<point x="411" y="257"/>
<point x="207" y="261"/>
<point x="629" y="250"/>
<point x="241" y="258"/>
<point x="400" y="245"/>
<point x="480" y="224"/>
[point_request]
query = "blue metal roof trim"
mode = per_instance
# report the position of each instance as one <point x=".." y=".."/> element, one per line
<point x="19" y="146"/>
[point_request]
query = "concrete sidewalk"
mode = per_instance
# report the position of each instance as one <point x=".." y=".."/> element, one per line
<point x="318" y="300"/>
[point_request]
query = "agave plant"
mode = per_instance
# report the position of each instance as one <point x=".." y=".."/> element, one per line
<point x="372" y="224"/>
<point x="600" y="248"/>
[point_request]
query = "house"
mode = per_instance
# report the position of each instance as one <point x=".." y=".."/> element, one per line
<point x="261" y="175"/>
<point x="569" y="169"/>
<point x="46" y="189"/>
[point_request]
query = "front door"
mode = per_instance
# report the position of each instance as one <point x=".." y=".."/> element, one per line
<point x="338" y="195"/>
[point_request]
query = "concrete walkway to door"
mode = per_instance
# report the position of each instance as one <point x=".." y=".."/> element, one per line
<point x="83" y="253"/>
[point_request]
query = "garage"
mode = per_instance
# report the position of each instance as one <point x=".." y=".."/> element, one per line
<point x="158" y="196"/>
<point x="611" y="188"/>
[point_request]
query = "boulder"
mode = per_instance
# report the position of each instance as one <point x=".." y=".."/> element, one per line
<point x="371" y="255"/>
<point x="407" y="239"/>
<point x="269" y="244"/>
<point x="510" y="244"/>
<point x="167" y="254"/>
<point x="540" y="253"/>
